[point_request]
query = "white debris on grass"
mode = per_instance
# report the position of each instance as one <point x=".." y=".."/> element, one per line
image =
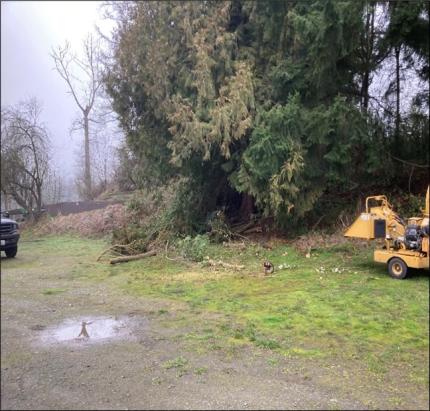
<point x="323" y="270"/>
<point x="286" y="266"/>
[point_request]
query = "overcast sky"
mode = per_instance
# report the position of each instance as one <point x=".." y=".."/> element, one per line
<point x="29" y="30"/>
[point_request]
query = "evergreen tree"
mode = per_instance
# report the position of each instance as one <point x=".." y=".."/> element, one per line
<point x="258" y="105"/>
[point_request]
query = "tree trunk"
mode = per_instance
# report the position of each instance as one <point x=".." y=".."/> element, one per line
<point x="369" y="45"/>
<point x="365" y="92"/>
<point x="30" y="216"/>
<point x="38" y="200"/>
<point x="87" y="171"/>
<point x="6" y="201"/>
<point x="246" y="207"/>
<point x="397" y="123"/>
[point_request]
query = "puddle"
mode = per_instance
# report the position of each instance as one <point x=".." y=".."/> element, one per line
<point x="89" y="330"/>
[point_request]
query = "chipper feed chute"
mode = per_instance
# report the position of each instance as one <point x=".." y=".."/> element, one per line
<point x="367" y="226"/>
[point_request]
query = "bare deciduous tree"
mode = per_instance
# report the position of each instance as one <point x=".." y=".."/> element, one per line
<point x="104" y="160"/>
<point x="83" y="77"/>
<point x="24" y="155"/>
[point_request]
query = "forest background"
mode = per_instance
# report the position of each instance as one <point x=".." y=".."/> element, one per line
<point x="287" y="111"/>
<point x="283" y="112"/>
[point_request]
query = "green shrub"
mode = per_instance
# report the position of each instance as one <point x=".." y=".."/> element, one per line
<point x="408" y="205"/>
<point x="219" y="229"/>
<point x="193" y="248"/>
<point x="145" y="203"/>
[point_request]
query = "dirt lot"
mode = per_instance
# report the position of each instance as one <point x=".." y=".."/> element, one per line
<point x="153" y="363"/>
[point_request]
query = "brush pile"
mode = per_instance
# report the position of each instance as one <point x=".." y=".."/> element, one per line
<point x="95" y="223"/>
<point x="315" y="240"/>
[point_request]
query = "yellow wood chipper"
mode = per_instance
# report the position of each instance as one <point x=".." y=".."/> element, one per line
<point x="406" y="244"/>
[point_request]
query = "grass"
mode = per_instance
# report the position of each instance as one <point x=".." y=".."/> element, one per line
<point x="53" y="291"/>
<point x="338" y="303"/>
<point x="200" y="370"/>
<point x="177" y="362"/>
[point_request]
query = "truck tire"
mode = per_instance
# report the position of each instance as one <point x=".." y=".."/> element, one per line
<point x="397" y="268"/>
<point x="11" y="252"/>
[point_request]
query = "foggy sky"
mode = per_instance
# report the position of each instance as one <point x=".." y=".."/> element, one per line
<point x="29" y="30"/>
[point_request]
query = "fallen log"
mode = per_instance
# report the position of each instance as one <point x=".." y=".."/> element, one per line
<point x="242" y="227"/>
<point x="132" y="257"/>
<point x="255" y="229"/>
<point x="113" y="249"/>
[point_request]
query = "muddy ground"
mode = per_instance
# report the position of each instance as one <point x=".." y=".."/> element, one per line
<point x="149" y="361"/>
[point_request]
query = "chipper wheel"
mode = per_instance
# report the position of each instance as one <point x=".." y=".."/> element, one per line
<point x="397" y="268"/>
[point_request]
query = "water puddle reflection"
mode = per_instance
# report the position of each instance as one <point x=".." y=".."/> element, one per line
<point x="89" y="330"/>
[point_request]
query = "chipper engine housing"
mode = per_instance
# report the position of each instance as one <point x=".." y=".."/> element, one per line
<point x="406" y="244"/>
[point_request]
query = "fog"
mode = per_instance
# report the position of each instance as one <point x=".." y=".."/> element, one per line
<point x="29" y="31"/>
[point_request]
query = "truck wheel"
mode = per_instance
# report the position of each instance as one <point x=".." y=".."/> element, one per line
<point x="11" y="252"/>
<point x="397" y="268"/>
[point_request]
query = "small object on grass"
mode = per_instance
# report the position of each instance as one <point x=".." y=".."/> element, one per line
<point x="268" y="267"/>
<point x="286" y="266"/>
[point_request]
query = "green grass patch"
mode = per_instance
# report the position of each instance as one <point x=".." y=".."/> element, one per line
<point x="53" y="291"/>
<point x="338" y="303"/>
<point x="177" y="362"/>
<point x="200" y="370"/>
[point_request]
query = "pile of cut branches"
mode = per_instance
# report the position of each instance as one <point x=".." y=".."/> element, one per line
<point x="94" y="223"/>
<point x="119" y="253"/>
<point x="314" y="240"/>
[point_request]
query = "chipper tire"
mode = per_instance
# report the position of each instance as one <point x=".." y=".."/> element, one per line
<point x="397" y="268"/>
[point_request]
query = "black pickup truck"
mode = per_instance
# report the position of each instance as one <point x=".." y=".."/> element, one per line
<point x="9" y="236"/>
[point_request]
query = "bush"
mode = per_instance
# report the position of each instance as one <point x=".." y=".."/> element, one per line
<point x="145" y="203"/>
<point x="409" y="205"/>
<point x="193" y="248"/>
<point x="219" y="229"/>
<point x="175" y="210"/>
